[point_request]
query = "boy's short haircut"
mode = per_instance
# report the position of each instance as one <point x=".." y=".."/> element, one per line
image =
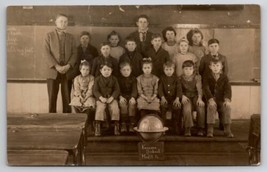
<point x="84" y="63"/>
<point x="123" y="64"/>
<point x="85" y="33"/>
<point x="108" y="64"/>
<point x="113" y="33"/>
<point x="215" y="61"/>
<point x="156" y="35"/>
<point x="147" y="60"/>
<point x="61" y="15"/>
<point x="129" y="39"/>
<point x="169" y="28"/>
<point x="190" y="34"/>
<point x="212" y="41"/>
<point x="168" y="64"/>
<point x="188" y="63"/>
<point x="142" y="16"/>
<point x="183" y="39"/>
<point x="104" y="44"/>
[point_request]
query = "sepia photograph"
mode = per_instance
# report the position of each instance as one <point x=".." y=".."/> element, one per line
<point x="133" y="85"/>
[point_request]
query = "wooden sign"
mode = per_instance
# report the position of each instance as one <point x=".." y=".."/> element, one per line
<point x="151" y="151"/>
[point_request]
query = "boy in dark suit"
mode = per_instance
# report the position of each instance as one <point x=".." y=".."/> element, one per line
<point x="218" y="93"/>
<point x="142" y="36"/>
<point x="60" y="54"/>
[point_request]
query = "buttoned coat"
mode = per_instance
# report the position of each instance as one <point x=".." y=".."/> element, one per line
<point x="52" y="54"/>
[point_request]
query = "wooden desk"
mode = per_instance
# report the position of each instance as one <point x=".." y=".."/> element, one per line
<point x="20" y="139"/>
<point x="37" y="157"/>
<point x="51" y="122"/>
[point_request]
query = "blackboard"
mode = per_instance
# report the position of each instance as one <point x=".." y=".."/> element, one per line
<point x="25" y="59"/>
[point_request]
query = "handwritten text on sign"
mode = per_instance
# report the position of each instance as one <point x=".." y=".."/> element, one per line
<point x="151" y="151"/>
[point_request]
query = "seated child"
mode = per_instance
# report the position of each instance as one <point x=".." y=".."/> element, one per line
<point x="204" y="69"/>
<point x="115" y="49"/>
<point x="104" y="58"/>
<point x="158" y="55"/>
<point x="182" y="56"/>
<point x="147" y="87"/>
<point x="170" y="92"/>
<point x="170" y="44"/>
<point x="83" y="100"/>
<point x="218" y="93"/>
<point x="106" y="90"/>
<point x="192" y="98"/>
<point x="128" y="96"/>
<point x="133" y="57"/>
<point x="195" y="38"/>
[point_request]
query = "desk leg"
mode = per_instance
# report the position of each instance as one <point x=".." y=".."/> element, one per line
<point x="75" y="156"/>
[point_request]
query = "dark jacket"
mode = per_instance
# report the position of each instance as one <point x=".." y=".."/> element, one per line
<point x="100" y="60"/>
<point x="135" y="60"/>
<point x="128" y="87"/>
<point x="52" y="54"/>
<point x="89" y="55"/>
<point x="219" y="90"/>
<point x="142" y="47"/>
<point x="106" y="87"/>
<point x="205" y="63"/>
<point x="158" y="59"/>
<point x="170" y="88"/>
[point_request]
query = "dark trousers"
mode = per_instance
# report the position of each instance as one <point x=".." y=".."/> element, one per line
<point x="53" y="88"/>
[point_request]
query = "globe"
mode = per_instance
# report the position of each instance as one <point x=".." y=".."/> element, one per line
<point x="150" y="128"/>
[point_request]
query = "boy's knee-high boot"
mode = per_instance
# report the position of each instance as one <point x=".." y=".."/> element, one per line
<point x="210" y="130"/>
<point x="116" y="128"/>
<point x="132" y="123"/>
<point x="97" y="128"/>
<point x="227" y="131"/>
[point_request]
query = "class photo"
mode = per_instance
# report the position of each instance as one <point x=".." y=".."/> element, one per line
<point x="133" y="85"/>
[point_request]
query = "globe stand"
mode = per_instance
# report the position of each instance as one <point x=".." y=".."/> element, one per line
<point x="150" y="128"/>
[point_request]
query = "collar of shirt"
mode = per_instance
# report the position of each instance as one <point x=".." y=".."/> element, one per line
<point x="143" y="31"/>
<point x="60" y="31"/>
<point x="188" y="78"/>
<point x="216" y="76"/>
<point x="215" y="56"/>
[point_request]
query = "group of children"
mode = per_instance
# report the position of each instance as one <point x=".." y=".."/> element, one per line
<point x="172" y="79"/>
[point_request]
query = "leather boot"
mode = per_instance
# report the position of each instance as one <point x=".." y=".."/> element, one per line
<point x="210" y="130"/>
<point x="227" y="131"/>
<point x="116" y="128"/>
<point x="97" y="128"/>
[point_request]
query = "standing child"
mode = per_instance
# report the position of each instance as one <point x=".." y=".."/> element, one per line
<point x="158" y="55"/>
<point x="182" y="56"/>
<point x="104" y="58"/>
<point x="106" y="91"/>
<point x="195" y="38"/>
<point x="142" y="36"/>
<point x="170" y="44"/>
<point x="170" y="92"/>
<point x="192" y="98"/>
<point x="147" y="87"/>
<point x="218" y="93"/>
<point x="85" y="51"/>
<point x="115" y="50"/>
<point x="128" y="96"/>
<point x="132" y="57"/>
<point x="214" y="47"/>
<point x="60" y="53"/>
